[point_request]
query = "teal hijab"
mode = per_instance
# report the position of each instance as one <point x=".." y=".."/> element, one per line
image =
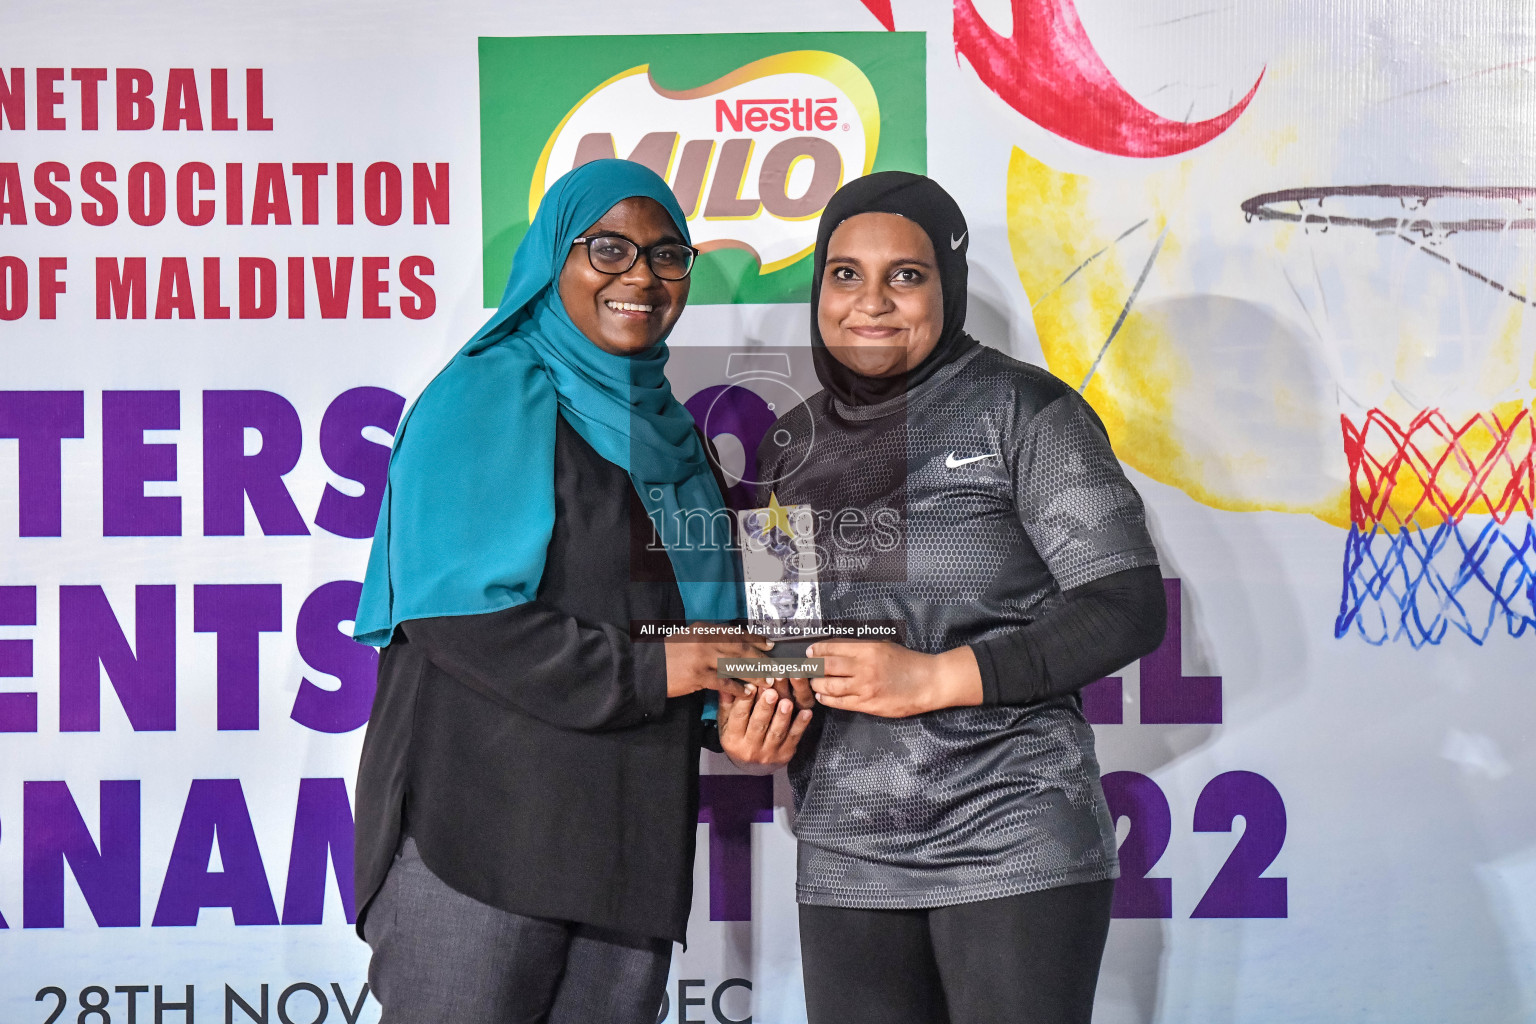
<point x="469" y="507"/>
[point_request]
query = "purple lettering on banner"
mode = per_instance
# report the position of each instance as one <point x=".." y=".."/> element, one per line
<point x="1133" y="795"/>
<point x="127" y="462"/>
<point x="322" y="831"/>
<point x="230" y="476"/>
<point x="215" y="811"/>
<point x="144" y="675"/>
<point x="729" y="805"/>
<point x="1237" y="890"/>
<point x="18" y="711"/>
<point x="1168" y="696"/>
<point x="54" y="832"/>
<point x="742" y="413"/>
<point x="325" y="648"/>
<point x="349" y="454"/>
<point x="39" y="421"/>
<point x="1104" y="701"/>
<point x="238" y="614"/>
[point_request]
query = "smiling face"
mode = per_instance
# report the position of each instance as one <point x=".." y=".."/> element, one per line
<point x="881" y="309"/>
<point x="624" y="313"/>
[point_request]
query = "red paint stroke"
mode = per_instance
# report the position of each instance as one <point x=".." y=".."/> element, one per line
<point x="1448" y="469"/>
<point x="1049" y="71"/>
<point x="881" y="9"/>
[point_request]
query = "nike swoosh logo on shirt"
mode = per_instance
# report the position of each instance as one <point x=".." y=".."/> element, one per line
<point x="954" y="463"/>
<point x="955" y="243"/>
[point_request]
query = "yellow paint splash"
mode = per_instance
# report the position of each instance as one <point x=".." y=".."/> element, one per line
<point x="1053" y="228"/>
<point x="1411" y="468"/>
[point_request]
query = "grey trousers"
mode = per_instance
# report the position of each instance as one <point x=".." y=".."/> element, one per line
<point x="440" y="957"/>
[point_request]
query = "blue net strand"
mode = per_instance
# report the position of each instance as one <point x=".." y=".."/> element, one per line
<point x="1421" y="585"/>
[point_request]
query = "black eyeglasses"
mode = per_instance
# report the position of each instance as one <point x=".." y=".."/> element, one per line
<point x="615" y="254"/>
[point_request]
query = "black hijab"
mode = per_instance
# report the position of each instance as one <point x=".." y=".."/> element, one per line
<point x="922" y="201"/>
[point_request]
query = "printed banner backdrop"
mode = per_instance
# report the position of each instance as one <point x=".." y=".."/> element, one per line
<point x="1285" y="249"/>
<point x="774" y="122"/>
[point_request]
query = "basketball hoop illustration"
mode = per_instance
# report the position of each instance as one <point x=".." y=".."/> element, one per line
<point x="1421" y="299"/>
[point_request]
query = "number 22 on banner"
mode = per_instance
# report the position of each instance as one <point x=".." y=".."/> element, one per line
<point x="1238" y="889"/>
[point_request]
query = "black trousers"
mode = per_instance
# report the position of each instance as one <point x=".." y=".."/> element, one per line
<point x="440" y="957"/>
<point x="1027" y="959"/>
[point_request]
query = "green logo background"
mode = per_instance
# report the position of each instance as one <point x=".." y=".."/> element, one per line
<point x="527" y="84"/>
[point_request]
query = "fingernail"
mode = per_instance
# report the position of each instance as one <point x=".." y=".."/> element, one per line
<point x="751" y="689"/>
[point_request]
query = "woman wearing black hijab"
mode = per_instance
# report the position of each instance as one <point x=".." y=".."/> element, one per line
<point x="956" y="855"/>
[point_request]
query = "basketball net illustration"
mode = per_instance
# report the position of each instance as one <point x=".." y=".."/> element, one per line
<point x="1421" y="298"/>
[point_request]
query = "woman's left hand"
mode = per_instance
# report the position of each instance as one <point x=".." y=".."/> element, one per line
<point x="888" y="680"/>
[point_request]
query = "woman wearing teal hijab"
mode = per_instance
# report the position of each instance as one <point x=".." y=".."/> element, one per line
<point x="527" y="796"/>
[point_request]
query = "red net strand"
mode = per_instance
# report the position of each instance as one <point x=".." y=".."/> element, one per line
<point x="1432" y="470"/>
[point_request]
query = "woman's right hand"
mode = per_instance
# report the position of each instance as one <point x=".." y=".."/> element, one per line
<point x="691" y="661"/>
<point x="760" y="732"/>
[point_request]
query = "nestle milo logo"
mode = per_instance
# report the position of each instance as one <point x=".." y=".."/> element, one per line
<point x="753" y="148"/>
<point x="773" y="115"/>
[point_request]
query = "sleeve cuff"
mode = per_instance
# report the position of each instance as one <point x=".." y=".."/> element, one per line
<point x="1109" y="565"/>
<point x="650" y="665"/>
<point x="1010" y="669"/>
<point x="988" y="669"/>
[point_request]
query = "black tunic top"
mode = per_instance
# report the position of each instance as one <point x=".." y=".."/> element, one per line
<point x="532" y="753"/>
